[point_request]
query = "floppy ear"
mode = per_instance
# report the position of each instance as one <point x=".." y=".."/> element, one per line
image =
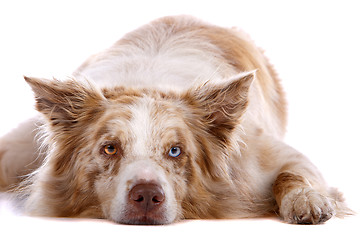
<point x="65" y="102"/>
<point x="224" y="103"/>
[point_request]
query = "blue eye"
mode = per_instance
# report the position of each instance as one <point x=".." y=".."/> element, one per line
<point x="174" y="152"/>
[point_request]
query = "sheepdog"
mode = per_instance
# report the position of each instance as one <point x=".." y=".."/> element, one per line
<point x="179" y="119"/>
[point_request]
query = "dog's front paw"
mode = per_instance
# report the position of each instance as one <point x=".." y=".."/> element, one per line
<point x="306" y="206"/>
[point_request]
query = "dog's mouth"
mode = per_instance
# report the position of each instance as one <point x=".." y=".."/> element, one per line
<point x="148" y="218"/>
<point x="145" y="220"/>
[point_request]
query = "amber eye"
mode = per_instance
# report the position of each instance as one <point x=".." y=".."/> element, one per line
<point x="110" y="150"/>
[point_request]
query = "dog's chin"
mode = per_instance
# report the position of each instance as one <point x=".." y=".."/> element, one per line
<point x="143" y="220"/>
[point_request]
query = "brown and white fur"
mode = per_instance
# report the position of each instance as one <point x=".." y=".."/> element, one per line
<point x="111" y="135"/>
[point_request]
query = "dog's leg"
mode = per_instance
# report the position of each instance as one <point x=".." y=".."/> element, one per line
<point x="19" y="153"/>
<point x="299" y="189"/>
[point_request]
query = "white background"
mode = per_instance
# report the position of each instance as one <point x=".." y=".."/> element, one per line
<point x="314" y="46"/>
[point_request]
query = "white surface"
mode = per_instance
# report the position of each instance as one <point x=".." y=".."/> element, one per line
<point x="314" y="45"/>
<point x="33" y="228"/>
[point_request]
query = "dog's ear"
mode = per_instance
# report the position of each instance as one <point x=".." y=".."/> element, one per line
<point x="224" y="103"/>
<point x="65" y="102"/>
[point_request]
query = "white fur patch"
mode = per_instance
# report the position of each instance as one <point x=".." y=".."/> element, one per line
<point x="140" y="167"/>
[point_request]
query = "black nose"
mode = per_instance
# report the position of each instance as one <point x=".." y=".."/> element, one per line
<point x="146" y="197"/>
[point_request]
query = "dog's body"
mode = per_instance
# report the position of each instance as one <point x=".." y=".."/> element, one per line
<point x="176" y="126"/>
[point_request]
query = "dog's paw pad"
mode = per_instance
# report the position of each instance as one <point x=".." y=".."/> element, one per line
<point x="306" y="206"/>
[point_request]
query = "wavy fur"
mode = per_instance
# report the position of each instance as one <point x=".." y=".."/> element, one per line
<point x="176" y="83"/>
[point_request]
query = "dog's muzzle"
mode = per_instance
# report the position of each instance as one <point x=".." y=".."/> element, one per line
<point x="145" y="204"/>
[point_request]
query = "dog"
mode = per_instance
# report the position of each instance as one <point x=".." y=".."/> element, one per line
<point x="179" y="119"/>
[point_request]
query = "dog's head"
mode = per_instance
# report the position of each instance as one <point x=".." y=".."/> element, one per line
<point x="136" y="156"/>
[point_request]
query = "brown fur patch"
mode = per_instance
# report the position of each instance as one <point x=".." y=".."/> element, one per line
<point x="3" y="182"/>
<point x="1" y="154"/>
<point x="285" y="183"/>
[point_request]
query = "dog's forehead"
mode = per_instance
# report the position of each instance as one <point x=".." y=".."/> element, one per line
<point x="150" y="116"/>
<point x="143" y="116"/>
